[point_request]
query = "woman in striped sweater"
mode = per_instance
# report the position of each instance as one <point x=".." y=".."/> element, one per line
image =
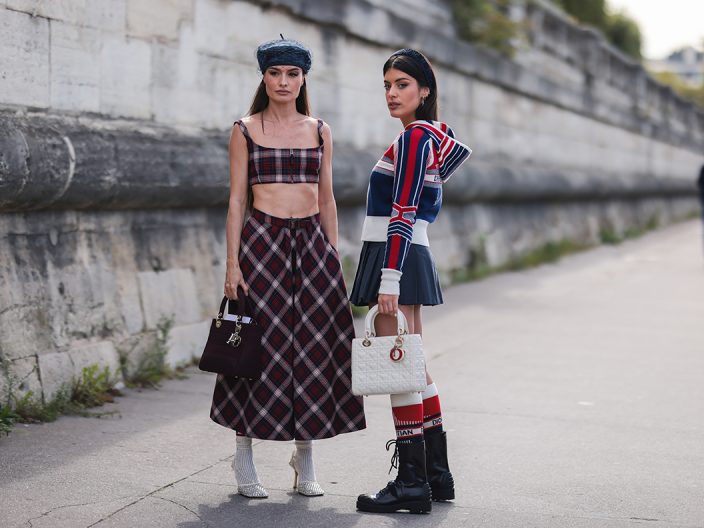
<point x="397" y="271"/>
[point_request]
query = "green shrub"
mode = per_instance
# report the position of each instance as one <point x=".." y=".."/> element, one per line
<point x="152" y="367"/>
<point x="8" y="417"/>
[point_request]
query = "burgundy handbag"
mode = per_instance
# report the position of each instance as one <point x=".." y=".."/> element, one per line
<point x="234" y="348"/>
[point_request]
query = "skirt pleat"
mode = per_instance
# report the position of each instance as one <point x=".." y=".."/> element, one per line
<point x="420" y="283"/>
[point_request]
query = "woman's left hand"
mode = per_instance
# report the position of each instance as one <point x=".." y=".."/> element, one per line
<point x="388" y="304"/>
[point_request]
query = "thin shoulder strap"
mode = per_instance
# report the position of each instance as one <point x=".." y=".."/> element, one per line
<point x="320" y="130"/>
<point x="245" y="133"/>
<point x="242" y="126"/>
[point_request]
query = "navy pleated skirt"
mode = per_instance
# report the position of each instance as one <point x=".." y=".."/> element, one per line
<point x="419" y="282"/>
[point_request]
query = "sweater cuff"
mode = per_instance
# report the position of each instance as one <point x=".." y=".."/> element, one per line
<point x="390" y="281"/>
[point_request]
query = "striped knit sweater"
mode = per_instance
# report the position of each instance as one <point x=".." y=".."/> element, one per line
<point x="405" y="192"/>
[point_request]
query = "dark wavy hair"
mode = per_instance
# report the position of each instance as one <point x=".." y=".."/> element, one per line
<point x="429" y="109"/>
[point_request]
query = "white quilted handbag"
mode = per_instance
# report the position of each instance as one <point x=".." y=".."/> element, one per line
<point x="387" y="364"/>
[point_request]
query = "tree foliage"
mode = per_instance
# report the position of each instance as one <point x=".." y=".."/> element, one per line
<point x="486" y="22"/>
<point x="592" y="12"/>
<point x="624" y="33"/>
<point x="620" y="29"/>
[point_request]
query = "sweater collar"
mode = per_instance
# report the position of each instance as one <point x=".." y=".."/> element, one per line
<point x="451" y="153"/>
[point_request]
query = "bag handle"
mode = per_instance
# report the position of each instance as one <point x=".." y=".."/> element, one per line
<point x="371" y="316"/>
<point x="243" y="304"/>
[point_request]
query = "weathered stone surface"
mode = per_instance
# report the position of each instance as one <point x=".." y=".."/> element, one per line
<point x="186" y="343"/>
<point x="61" y="369"/>
<point x="157" y="18"/>
<point x="21" y="378"/>
<point x="134" y="349"/>
<point x="102" y="353"/>
<point x="24" y="70"/>
<point x="23" y="321"/>
<point x="125" y="68"/>
<point x="169" y="295"/>
<point x="57" y="370"/>
<point x="75" y="67"/>
<point x="50" y="162"/>
<point x="103" y="14"/>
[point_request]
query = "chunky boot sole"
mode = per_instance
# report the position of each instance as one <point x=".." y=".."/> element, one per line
<point x="440" y="494"/>
<point x="419" y="506"/>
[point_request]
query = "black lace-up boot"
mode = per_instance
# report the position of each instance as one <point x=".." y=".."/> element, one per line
<point x="439" y="476"/>
<point x="410" y="491"/>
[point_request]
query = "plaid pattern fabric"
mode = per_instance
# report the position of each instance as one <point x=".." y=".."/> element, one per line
<point x="304" y="393"/>
<point x="283" y="165"/>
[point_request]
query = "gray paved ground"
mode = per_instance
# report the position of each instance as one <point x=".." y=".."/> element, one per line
<point x="573" y="395"/>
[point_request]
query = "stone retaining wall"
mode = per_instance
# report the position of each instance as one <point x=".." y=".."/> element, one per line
<point x="114" y="119"/>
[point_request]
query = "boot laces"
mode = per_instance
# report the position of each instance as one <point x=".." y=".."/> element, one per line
<point x="394" y="457"/>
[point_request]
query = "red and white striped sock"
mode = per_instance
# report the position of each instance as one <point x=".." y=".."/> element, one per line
<point x="432" y="417"/>
<point x="407" y="410"/>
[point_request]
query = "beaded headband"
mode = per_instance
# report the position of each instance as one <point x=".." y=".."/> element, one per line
<point x="421" y="62"/>
<point x="283" y="52"/>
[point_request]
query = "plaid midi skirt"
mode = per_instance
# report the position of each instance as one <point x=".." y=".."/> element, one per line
<point x="295" y="280"/>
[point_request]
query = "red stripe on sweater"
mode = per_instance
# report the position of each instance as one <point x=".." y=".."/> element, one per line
<point x="411" y="154"/>
<point x="394" y="251"/>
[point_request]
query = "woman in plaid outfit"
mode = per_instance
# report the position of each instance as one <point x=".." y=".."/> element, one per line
<point x="284" y="257"/>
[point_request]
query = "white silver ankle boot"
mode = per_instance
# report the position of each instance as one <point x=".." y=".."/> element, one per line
<point x="248" y="484"/>
<point x="304" y="470"/>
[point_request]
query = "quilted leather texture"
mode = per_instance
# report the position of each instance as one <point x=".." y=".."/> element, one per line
<point x="373" y="371"/>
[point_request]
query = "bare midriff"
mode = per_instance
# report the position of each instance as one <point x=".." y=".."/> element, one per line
<point x="286" y="200"/>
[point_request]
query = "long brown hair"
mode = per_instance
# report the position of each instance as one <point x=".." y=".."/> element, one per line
<point x="429" y="109"/>
<point x="260" y="102"/>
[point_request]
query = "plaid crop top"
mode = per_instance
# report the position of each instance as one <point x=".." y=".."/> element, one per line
<point x="283" y="165"/>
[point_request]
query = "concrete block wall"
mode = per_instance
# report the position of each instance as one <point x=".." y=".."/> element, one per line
<point x="114" y="118"/>
<point x="95" y="287"/>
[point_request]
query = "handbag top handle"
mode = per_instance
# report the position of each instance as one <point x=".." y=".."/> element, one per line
<point x="243" y="303"/>
<point x="371" y="315"/>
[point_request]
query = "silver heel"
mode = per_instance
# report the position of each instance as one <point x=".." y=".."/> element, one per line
<point x="295" y="473"/>
<point x="309" y="488"/>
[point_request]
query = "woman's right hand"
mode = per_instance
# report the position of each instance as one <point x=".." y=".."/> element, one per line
<point x="234" y="278"/>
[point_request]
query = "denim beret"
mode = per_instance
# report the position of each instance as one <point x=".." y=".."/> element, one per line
<point x="283" y="52"/>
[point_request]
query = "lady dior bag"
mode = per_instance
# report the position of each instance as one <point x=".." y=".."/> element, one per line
<point x="234" y="346"/>
<point x="387" y="364"/>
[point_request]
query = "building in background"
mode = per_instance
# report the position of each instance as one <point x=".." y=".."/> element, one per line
<point x="687" y="63"/>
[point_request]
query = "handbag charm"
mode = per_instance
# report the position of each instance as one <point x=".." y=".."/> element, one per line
<point x="235" y="338"/>
<point x="396" y="353"/>
<point x="387" y="364"/>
